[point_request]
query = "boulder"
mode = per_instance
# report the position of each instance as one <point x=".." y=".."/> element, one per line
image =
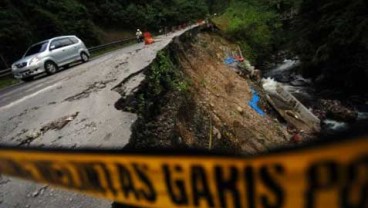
<point x="336" y="110"/>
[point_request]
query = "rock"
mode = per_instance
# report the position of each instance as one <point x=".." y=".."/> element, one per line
<point x="216" y="119"/>
<point x="320" y="79"/>
<point x="180" y="140"/>
<point x="3" y="181"/>
<point x="28" y="140"/>
<point x="319" y="113"/>
<point x="240" y="110"/>
<point x="298" y="83"/>
<point x="216" y="133"/>
<point x="257" y="75"/>
<point x="100" y="85"/>
<point x="336" y="110"/>
<point x="33" y="134"/>
<point x="59" y="123"/>
<point x="39" y="191"/>
<point x="296" y="138"/>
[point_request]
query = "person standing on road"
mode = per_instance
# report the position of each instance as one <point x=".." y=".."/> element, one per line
<point x="139" y="35"/>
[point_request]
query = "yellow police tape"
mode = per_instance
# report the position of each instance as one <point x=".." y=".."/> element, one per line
<point x="328" y="176"/>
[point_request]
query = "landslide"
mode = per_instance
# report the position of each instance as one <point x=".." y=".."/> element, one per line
<point x="190" y="99"/>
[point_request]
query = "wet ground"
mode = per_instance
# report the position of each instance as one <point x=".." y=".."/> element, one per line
<point x="337" y="110"/>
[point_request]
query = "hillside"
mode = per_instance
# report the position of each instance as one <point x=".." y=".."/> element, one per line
<point x="191" y="99"/>
<point x="25" y="22"/>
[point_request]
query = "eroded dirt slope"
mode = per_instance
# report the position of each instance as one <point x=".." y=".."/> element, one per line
<point x="225" y="95"/>
<point x="191" y="98"/>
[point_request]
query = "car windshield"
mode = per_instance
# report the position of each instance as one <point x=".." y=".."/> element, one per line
<point x="38" y="48"/>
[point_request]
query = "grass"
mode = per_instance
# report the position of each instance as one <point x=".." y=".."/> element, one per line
<point x="7" y="81"/>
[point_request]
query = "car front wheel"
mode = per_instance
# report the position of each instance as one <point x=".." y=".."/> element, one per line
<point x="51" y="67"/>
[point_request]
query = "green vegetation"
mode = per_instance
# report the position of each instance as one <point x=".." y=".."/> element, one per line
<point x="24" y="22"/>
<point x="331" y="39"/>
<point x="258" y="26"/>
<point x="7" y="81"/>
<point x="162" y="77"/>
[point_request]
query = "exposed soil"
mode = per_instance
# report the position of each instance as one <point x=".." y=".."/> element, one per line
<point x="225" y="95"/>
<point x="212" y="112"/>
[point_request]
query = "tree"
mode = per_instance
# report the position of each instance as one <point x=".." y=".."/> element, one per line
<point x="24" y="22"/>
<point x="331" y="38"/>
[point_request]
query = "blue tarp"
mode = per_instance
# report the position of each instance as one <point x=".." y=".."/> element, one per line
<point x="254" y="101"/>
<point x="229" y="60"/>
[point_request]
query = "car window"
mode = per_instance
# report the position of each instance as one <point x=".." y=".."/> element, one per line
<point x="65" y="42"/>
<point x="55" y="44"/>
<point x="38" y="48"/>
<point x="74" y="40"/>
<point x="60" y="43"/>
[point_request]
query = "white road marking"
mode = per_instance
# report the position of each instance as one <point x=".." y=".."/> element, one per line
<point x="28" y="97"/>
<point x="34" y="87"/>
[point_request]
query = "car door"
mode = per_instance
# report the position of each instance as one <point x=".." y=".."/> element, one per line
<point x="61" y="50"/>
<point x="75" y="50"/>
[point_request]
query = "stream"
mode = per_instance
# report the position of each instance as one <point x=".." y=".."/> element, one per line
<point x="304" y="90"/>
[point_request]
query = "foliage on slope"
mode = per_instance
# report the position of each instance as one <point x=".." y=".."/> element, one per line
<point x="24" y="22"/>
<point x="331" y="38"/>
<point x="259" y="26"/>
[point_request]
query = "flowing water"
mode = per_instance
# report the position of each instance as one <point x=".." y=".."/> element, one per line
<point x="303" y="89"/>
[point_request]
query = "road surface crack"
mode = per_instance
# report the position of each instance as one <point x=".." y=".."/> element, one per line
<point x="4" y="181"/>
<point x="54" y="125"/>
<point x="97" y="86"/>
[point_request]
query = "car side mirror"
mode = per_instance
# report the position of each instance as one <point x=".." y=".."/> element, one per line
<point x="52" y="47"/>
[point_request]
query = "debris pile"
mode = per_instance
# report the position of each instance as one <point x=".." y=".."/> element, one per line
<point x="58" y="124"/>
<point x="293" y="111"/>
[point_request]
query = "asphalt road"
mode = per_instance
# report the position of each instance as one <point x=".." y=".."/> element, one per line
<point x="73" y="108"/>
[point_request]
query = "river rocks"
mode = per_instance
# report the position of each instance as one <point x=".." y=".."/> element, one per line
<point x="336" y="110"/>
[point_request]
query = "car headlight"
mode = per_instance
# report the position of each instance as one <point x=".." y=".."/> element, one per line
<point x="14" y="67"/>
<point x="34" y="61"/>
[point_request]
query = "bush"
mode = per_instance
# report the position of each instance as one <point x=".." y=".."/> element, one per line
<point x="331" y="38"/>
<point x="254" y="24"/>
<point x="24" y="22"/>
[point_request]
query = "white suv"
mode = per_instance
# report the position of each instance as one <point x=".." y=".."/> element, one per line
<point x="49" y="55"/>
